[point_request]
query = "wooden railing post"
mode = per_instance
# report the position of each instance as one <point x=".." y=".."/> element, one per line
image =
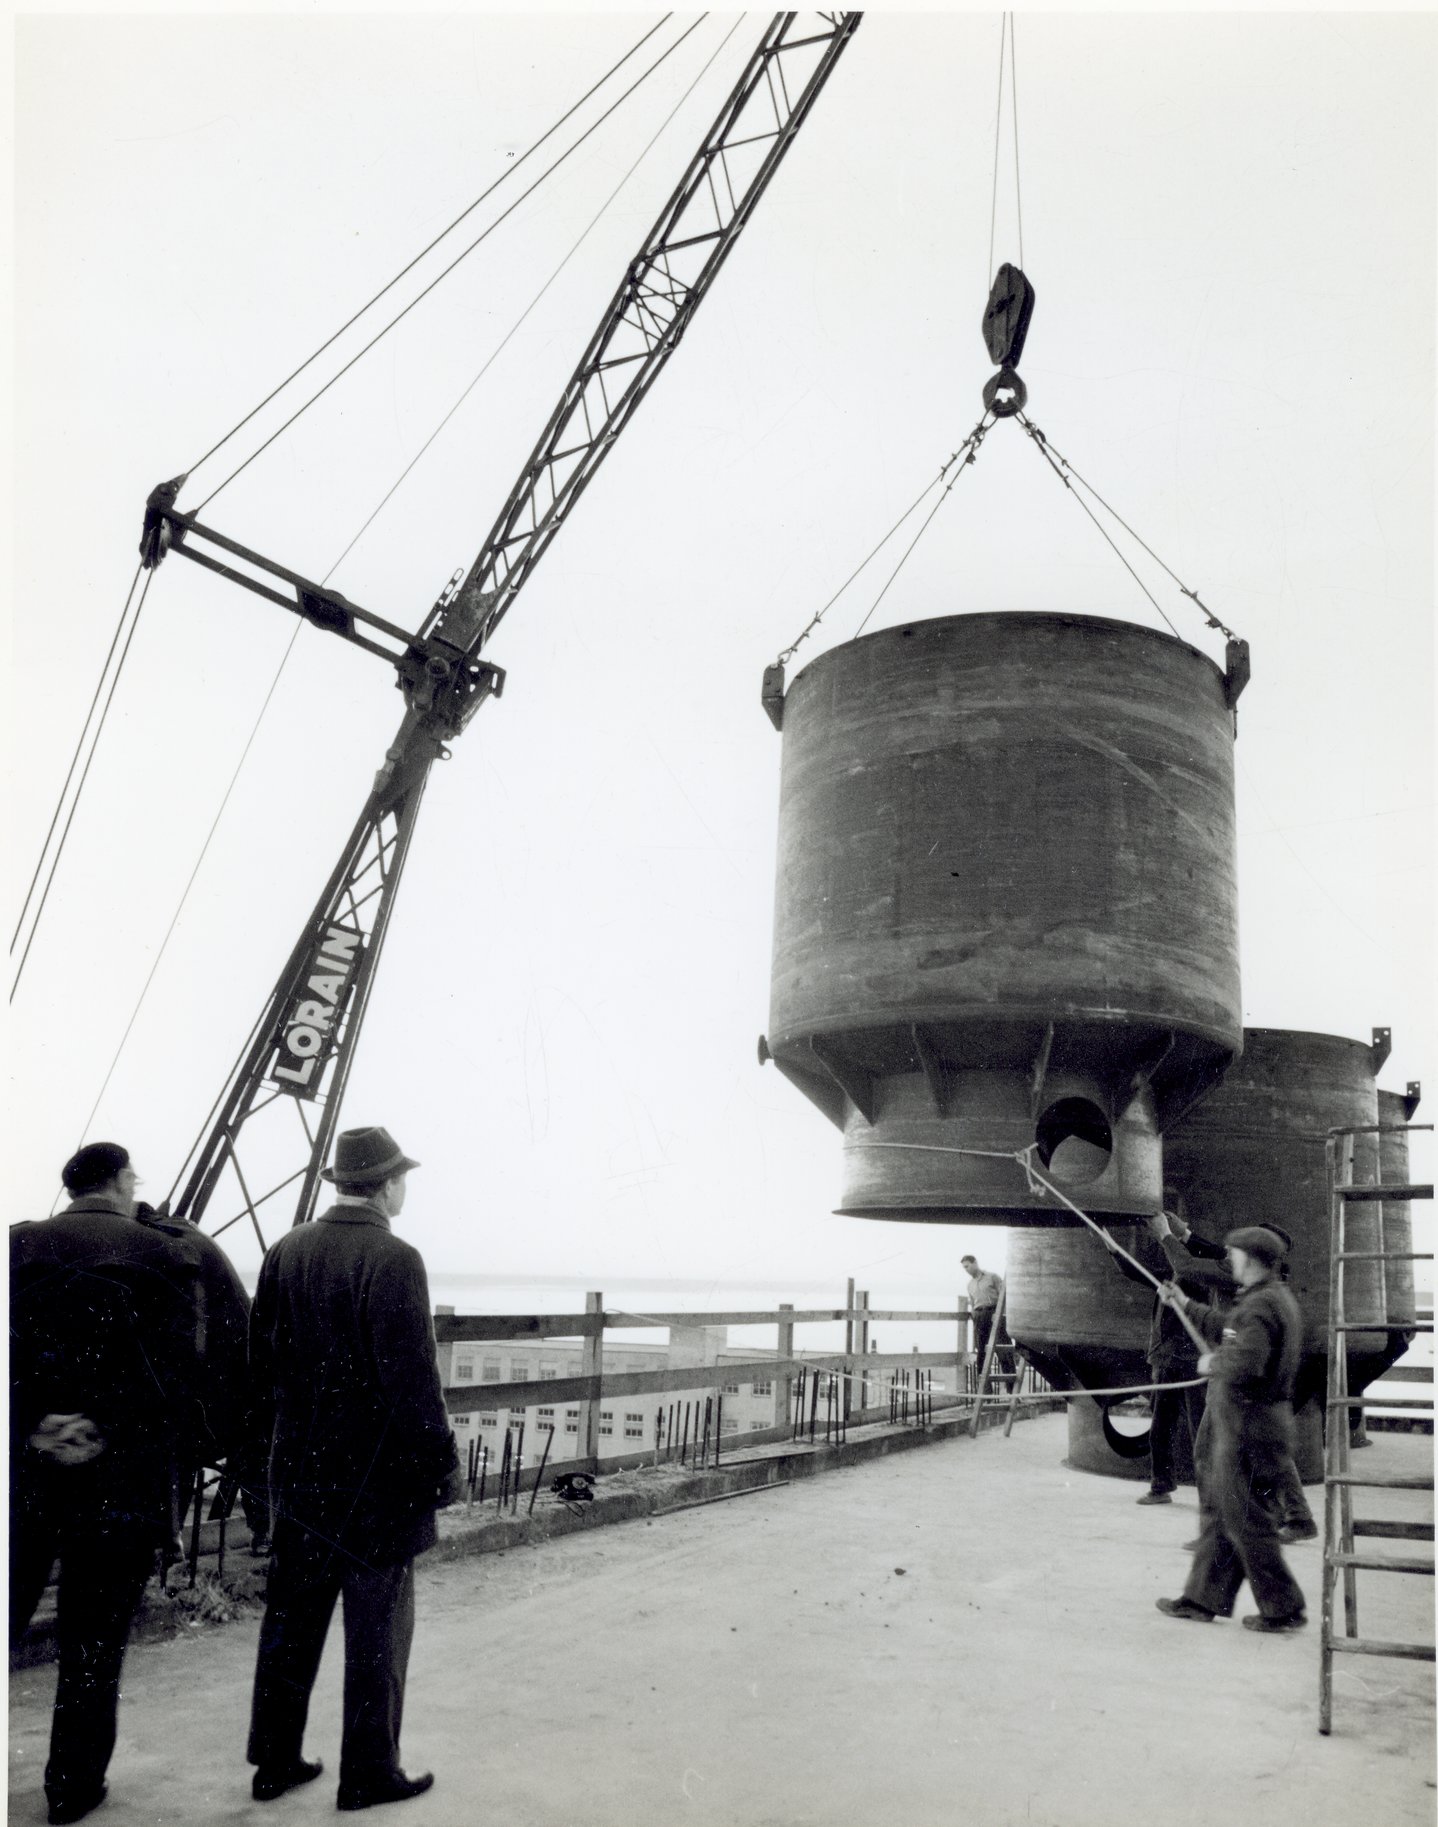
<point x="861" y="1346"/>
<point x="784" y="1386"/>
<point x="591" y="1364"/>
<point x="849" y="1328"/>
<point x="961" y="1374"/>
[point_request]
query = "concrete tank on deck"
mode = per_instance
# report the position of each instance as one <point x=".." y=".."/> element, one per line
<point x="1253" y="1150"/>
<point x="1006" y="911"/>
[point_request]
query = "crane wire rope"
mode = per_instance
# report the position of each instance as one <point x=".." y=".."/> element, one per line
<point x="445" y="273"/>
<point x="974" y="438"/>
<point x="518" y="322"/>
<point x="84" y="775"/>
<point x="284" y="659"/>
<point x="1006" y="30"/>
<point x="389" y="285"/>
<point x="1082" y="481"/>
<point x="74" y="759"/>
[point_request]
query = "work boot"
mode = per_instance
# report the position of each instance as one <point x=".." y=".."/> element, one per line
<point x="273" y="1780"/>
<point x="1185" y="1608"/>
<point x="1291" y="1620"/>
<point x="394" y="1787"/>
<point x="1155" y="1497"/>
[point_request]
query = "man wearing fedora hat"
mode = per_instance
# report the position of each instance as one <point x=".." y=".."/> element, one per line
<point x="1250" y="1439"/>
<point x="348" y="1396"/>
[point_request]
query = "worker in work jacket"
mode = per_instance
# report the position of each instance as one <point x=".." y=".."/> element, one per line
<point x="1249" y="1435"/>
<point x="1172" y="1354"/>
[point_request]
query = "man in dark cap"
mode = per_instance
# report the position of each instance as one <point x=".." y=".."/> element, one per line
<point x="1249" y="1435"/>
<point x="347" y="1391"/>
<point x="104" y="1370"/>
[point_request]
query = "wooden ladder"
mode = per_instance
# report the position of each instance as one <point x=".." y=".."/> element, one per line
<point x="1340" y="1527"/>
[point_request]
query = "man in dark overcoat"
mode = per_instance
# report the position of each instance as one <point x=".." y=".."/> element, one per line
<point x="346" y="1387"/>
<point x="1249" y="1442"/>
<point x="105" y="1369"/>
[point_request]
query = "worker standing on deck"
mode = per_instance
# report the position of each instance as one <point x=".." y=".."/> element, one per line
<point x="1249" y="1434"/>
<point x="1172" y="1354"/>
<point x="105" y="1369"/>
<point x="347" y="1390"/>
<point x="985" y="1291"/>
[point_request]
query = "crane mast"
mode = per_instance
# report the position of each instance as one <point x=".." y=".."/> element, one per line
<point x="271" y="1128"/>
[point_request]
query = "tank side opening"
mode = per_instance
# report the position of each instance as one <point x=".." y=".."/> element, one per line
<point x="1075" y="1140"/>
<point x="1126" y="1428"/>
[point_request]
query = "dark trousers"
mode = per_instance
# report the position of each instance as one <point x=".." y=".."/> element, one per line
<point x="306" y="1577"/>
<point x="983" y="1326"/>
<point x="102" y="1576"/>
<point x="1175" y="1412"/>
<point x="1241" y="1458"/>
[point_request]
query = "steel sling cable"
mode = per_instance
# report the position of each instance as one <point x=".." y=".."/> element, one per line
<point x="284" y="659"/>
<point x="819" y="614"/>
<point x="1108" y="508"/>
<point x="445" y="273"/>
<point x="80" y="786"/>
<point x="1006" y="30"/>
<point x="75" y="758"/>
<point x="515" y="326"/>
<point x="1041" y="445"/>
<point x="971" y="444"/>
<point x="390" y="284"/>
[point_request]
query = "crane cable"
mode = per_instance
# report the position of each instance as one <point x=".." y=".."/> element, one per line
<point x="1006" y="27"/>
<point x="284" y="659"/>
<point x="457" y="261"/>
<point x="515" y="326"/>
<point x="390" y="284"/>
<point x="1065" y="470"/>
<point x="84" y="773"/>
<point x="963" y="456"/>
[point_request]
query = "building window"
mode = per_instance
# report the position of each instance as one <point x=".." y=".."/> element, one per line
<point x="571" y="1424"/>
<point x="764" y="1387"/>
<point x="544" y="1420"/>
<point x="633" y="1427"/>
<point x="490" y="1420"/>
<point x="491" y="1372"/>
<point x="464" y="1373"/>
<point x="757" y="1426"/>
<point x="461" y="1420"/>
<point x="548" y="1372"/>
<point x="730" y="1389"/>
<point x="606" y="1420"/>
<point x="730" y="1425"/>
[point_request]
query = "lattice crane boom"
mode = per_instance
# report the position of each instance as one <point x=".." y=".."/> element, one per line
<point x="271" y="1128"/>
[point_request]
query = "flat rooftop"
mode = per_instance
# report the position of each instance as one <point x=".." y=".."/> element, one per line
<point x="961" y="1632"/>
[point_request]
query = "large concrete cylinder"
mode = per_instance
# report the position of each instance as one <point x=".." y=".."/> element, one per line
<point x="1396" y="1215"/>
<point x="1006" y="909"/>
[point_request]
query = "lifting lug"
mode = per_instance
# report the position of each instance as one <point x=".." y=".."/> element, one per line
<point x="1005" y="394"/>
<point x="158" y="536"/>
<point x="771" y="694"/>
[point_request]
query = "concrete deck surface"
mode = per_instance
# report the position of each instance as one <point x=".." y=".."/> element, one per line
<point x="963" y="1633"/>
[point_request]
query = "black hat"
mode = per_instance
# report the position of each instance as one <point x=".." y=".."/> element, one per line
<point x="1265" y="1241"/>
<point x="93" y="1166"/>
<point x="365" y="1155"/>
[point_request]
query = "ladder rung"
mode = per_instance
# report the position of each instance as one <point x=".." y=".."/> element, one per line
<point x="1375" y="1195"/>
<point x="1407" y="1373"/>
<point x="1384" y="1481"/>
<point x="1375" y="1564"/>
<point x="1380" y="1401"/>
<point x="1383" y="1256"/>
<point x="1392" y="1531"/>
<point x="1369" y="1646"/>
<point x="1383" y="1326"/>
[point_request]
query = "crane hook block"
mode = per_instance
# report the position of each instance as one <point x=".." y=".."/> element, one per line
<point x="1007" y="314"/>
<point x="158" y="535"/>
<point x="772" y="694"/>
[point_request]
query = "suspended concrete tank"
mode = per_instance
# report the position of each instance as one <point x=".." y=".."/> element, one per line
<point x="1006" y="912"/>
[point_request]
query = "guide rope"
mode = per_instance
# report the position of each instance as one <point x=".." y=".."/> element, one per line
<point x="508" y="172"/>
<point x="1006" y="29"/>
<point x="445" y="273"/>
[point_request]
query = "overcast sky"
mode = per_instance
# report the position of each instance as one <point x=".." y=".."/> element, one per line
<point x="1229" y="221"/>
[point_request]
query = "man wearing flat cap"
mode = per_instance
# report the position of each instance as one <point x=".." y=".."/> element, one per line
<point x="347" y="1393"/>
<point x="1250" y="1437"/>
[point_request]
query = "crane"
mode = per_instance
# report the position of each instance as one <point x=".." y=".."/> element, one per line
<point x="269" y="1131"/>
